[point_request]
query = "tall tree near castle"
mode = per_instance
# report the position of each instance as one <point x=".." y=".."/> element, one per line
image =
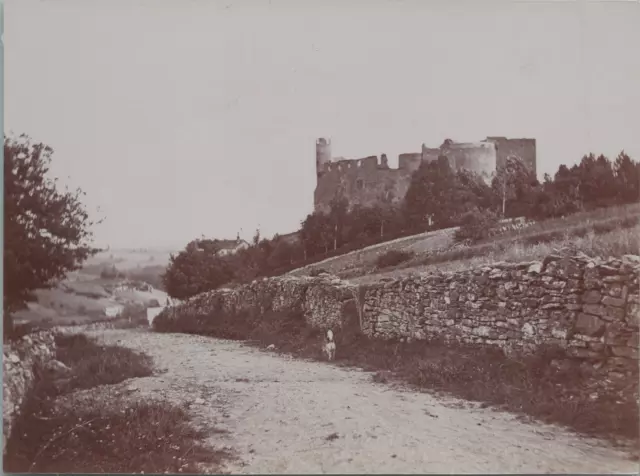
<point x="513" y="180"/>
<point x="431" y="193"/>
<point x="316" y="234"/>
<point x="338" y="214"/>
<point x="47" y="231"/>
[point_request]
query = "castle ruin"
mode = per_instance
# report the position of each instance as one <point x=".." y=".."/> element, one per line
<point x="369" y="181"/>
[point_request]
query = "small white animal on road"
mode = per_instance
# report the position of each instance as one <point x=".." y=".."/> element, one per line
<point x="330" y="346"/>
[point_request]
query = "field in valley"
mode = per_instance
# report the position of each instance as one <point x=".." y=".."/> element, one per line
<point x="86" y="294"/>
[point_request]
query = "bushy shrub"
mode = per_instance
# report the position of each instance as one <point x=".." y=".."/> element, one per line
<point x="393" y="258"/>
<point x="476" y="225"/>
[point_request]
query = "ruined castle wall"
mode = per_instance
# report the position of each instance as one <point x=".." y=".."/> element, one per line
<point x="362" y="182"/>
<point x="523" y="148"/>
<point x="370" y="181"/>
<point x="430" y="154"/>
<point x="477" y="157"/>
<point x="410" y="162"/>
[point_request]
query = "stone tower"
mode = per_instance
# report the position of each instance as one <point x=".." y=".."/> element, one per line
<point x="323" y="155"/>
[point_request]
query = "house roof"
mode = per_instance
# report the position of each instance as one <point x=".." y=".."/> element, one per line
<point x="230" y="244"/>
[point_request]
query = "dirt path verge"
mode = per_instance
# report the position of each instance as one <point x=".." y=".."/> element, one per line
<point x="286" y="416"/>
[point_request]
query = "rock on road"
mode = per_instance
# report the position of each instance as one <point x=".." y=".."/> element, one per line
<point x="287" y="415"/>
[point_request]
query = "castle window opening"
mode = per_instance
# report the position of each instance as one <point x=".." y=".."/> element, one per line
<point x="360" y="184"/>
<point x="359" y="163"/>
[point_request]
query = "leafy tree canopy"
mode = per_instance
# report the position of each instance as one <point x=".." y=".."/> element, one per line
<point x="47" y="231"/>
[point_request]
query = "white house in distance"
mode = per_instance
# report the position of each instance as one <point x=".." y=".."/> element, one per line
<point x="230" y="247"/>
<point x="113" y="311"/>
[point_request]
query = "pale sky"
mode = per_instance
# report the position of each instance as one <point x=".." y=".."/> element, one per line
<point x="180" y="118"/>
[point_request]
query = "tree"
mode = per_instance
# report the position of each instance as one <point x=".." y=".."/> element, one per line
<point x="431" y="193"/>
<point x="282" y="255"/>
<point x="316" y="234"/>
<point x="196" y="269"/>
<point x="627" y="176"/>
<point x="476" y="225"/>
<point x="47" y="232"/>
<point x="338" y="213"/>
<point x="597" y="181"/>
<point x="471" y="191"/>
<point x="361" y="224"/>
<point x="513" y="181"/>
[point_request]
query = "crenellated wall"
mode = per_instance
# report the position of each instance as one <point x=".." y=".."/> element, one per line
<point x="370" y="181"/>
<point x="525" y="149"/>
<point x="477" y="157"/>
<point x="363" y="182"/>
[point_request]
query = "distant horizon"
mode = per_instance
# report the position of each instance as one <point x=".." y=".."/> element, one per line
<point x="206" y="123"/>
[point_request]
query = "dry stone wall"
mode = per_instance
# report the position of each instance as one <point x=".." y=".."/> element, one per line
<point x="590" y="307"/>
<point x="19" y="359"/>
<point x="321" y="300"/>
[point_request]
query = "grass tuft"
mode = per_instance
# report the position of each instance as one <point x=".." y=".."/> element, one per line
<point x="150" y="437"/>
<point x="95" y="364"/>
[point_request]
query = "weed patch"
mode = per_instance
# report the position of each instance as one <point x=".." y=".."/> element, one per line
<point x="150" y="437"/>
<point x="95" y="364"/>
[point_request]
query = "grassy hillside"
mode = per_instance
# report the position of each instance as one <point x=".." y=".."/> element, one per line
<point x="365" y="258"/>
<point x="610" y="231"/>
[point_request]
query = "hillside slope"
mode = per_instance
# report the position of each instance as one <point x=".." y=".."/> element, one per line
<point x="366" y="257"/>
<point x="608" y="231"/>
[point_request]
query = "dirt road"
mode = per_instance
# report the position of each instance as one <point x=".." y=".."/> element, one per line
<point x="295" y="416"/>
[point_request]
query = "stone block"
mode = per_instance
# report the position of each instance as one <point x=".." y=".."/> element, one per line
<point x="591" y="297"/>
<point x="633" y="260"/>
<point x="612" y="301"/>
<point x="590" y="325"/>
<point x="616" y="334"/>
<point x="591" y="278"/>
<point x="582" y="353"/>
<point x="535" y="268"/>
<point x="617" y="290"/>
<point x="596" y="346"/>
<point x="613" y="313"/>
<point x="559" y="333"/>
<point x="528" y="329"/>
<point x="618" y="362"/>
<point x="628" y="352"/>
<point x="607" y="270"/>
<point x="595" y="309"/>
